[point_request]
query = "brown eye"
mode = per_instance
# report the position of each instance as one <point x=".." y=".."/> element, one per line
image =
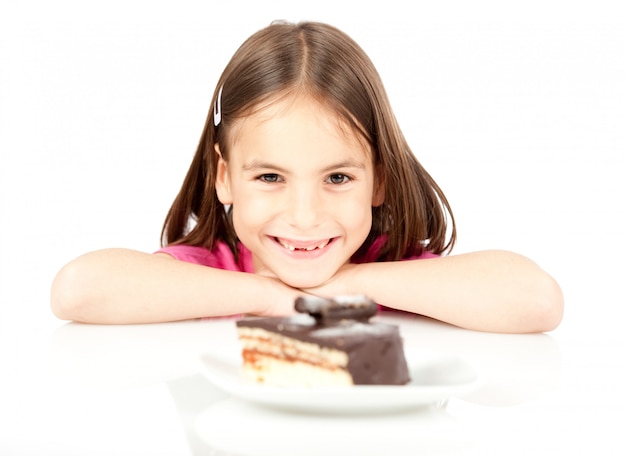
<point x="269" y="178"/>
<point x="338" y="179"/>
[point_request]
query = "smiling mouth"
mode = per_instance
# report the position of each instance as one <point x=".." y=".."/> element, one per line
<point x="301" y="246"/>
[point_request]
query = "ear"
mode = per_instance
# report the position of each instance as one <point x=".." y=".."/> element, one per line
<point x="378" y="196"/>
<point x="222" y="179"/>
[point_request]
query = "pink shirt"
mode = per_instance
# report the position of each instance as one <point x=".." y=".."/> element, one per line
<point x="222" y="257"/>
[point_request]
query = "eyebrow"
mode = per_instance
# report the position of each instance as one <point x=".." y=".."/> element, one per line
<point x="255" y="165"/>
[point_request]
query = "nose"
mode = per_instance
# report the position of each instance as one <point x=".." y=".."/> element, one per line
<point x="305" y="207"/>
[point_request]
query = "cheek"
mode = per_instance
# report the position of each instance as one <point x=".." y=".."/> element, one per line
<point x="249" y="209"/>
<point x="355" y="215"/>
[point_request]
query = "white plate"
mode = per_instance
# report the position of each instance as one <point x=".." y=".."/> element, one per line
<point x="434" y="378"/>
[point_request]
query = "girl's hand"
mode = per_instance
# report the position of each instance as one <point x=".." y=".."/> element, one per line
<point x="342" y="283"/>
<point x="279" y="298"/>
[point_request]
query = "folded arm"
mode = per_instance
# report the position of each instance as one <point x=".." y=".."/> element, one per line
<point x="118" y="286"/>
<point x="494" y="291"/>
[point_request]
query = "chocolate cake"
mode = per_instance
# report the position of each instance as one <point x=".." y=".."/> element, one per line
<point x="331" y="342"/>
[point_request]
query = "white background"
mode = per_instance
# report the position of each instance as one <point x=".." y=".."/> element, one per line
<point x="518" y="110"/>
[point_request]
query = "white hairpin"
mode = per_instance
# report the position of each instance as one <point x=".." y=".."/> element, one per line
<point x="217" y="109"/>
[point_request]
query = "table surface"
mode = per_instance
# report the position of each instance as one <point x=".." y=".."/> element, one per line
<point x="114" y="390"/>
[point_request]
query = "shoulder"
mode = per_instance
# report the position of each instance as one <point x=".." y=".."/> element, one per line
<point x="372" y="254"/>
<point x="220" y="257"/>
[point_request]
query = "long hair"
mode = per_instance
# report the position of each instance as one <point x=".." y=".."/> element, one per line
<point x="327" y="64"/>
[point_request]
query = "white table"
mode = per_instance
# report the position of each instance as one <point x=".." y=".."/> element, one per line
<point x="134" y="390"/>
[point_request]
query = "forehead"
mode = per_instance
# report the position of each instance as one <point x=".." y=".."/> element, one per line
<point x="300" y="120"/>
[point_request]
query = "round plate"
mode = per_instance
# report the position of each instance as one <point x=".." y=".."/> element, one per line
<point x="434" y="378"/>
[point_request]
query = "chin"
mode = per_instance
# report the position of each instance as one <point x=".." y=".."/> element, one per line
<point x="303" y="282"/>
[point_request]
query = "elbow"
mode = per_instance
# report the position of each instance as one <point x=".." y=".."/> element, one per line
<point x="548" y="307"/>
<point x="67" y="295"/>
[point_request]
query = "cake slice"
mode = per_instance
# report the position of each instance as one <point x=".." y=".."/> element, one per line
<point x="331" y="342"/>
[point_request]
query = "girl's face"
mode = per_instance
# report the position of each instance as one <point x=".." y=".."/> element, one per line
<point x="302" y="185"/>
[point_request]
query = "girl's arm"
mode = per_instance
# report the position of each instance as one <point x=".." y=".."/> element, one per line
<point x="125" y="286"/>
<point x="489" y="291"/>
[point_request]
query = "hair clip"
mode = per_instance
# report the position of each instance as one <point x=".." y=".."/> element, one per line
<point x="217" y="109"/>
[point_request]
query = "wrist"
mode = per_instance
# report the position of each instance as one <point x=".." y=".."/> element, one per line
<point x="273" y="298"/>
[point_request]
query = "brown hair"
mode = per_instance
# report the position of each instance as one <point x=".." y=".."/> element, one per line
<point x="327" y="64"/>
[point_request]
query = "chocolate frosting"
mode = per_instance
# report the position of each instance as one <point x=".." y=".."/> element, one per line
<point x="357" y="307"/>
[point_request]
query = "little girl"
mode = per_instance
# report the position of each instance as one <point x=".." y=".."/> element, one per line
<point x="303" y="183"/>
